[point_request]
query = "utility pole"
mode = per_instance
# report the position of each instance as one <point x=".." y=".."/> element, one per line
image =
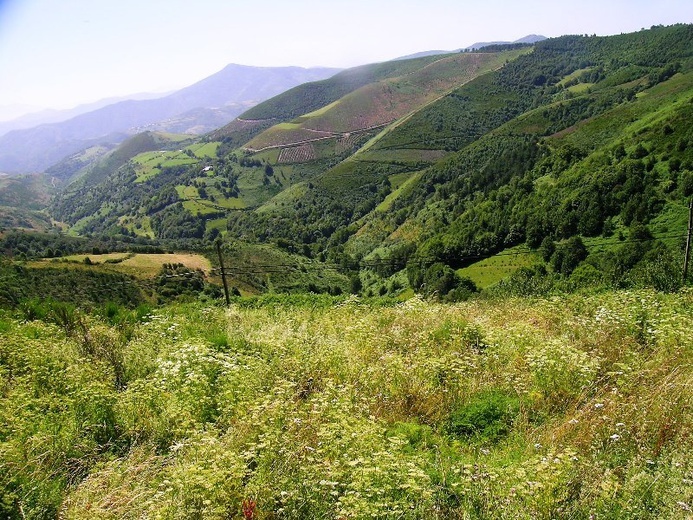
<point x="223" y="273"/>
<point x="687" y="257"/>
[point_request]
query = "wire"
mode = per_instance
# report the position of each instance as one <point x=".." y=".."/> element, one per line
<point x="279" y="268"/>
<point x="422" y="261"/>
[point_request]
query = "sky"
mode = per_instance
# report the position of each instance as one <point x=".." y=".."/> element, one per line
<point x="62" y="53"/>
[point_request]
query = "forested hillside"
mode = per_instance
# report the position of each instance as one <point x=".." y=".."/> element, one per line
<point x="444" y="287"/>
<point x="577" y="148"/>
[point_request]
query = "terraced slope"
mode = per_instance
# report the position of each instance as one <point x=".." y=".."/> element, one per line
<point x="378" y="104"/>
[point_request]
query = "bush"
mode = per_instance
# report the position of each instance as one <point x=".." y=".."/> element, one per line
<point x="586" y="275"/>
<point x="487" y="417"/>
<point x="444" y="283"/>
<point x="568" y="255"/>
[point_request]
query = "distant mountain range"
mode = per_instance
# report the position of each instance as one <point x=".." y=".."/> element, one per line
<point x="37" y="141"/>
<point x="196" y="109"/>
<point x="38" y="117"/>
<point x="530" y="38"/>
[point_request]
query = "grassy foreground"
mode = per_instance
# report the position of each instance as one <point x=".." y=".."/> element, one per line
<point x="314" y="407"/>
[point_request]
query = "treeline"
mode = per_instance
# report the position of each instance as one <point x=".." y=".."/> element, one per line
<point x="82" y="287"/>
<point x="22" y="245"/>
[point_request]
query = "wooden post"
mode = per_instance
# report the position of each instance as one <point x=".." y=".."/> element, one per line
<point x="223" y="273"/>
<point x="687" y="257"/>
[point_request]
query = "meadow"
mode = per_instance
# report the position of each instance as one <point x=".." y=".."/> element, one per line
<point x="306" y="406"/>
<point x="140" y="265"/>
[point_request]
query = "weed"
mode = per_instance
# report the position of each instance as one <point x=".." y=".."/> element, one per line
<point x="487" y="417"/>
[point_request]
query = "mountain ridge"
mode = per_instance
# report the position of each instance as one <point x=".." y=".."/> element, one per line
<point x="558" y="149"/>
<point x="529" y="39"/>
<point x="232" y="88"/>
<point x="49" y="115"/>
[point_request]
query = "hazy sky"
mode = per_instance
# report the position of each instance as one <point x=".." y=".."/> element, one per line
<point x="60" y="53"/>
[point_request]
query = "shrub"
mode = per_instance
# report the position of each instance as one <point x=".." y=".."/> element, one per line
<point x="487" y="417"/>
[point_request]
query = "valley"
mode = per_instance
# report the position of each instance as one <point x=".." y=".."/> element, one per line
<point x="452" y="285"/>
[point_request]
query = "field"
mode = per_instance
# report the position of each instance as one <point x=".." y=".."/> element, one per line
<point x="205" y="150"/>
<point x="492" y="270"/>
<point x="398" y="182"/>
<point x="139" y="265"/>
<point x="317" y="407"/>
<point x="149" y="164"/>
<point x="302" y="153"/>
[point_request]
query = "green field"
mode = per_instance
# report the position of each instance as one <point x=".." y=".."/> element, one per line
<point x="399" y="182"/>
<point x="204" y="150"/>
<point x="199" y="207"/>
<point x="489" y="271"/>
<point x="149" y="164"/>
<point x="139" y="265"/>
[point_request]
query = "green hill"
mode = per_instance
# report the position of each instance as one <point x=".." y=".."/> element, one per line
<point x="444" y="159"/>
<point x="382" y="102"/>
<point x="313" y="96"/>
<point x="571" y="100"/>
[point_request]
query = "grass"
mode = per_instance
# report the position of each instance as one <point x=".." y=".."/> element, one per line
<point x="187" y="192"/>
<point x="574" y="75"/>
<point x="219" y="223"/>
<point x="150" y="264"/>
<point x="286" y="198"/>
<point x="400" y="183"/>
<point x="149" y="164"/>
<point x="140" y="265"/>
<point x="492" y="270"/>
<point x="199" y="207"/>
<point x="580" y="88"/>
<point x="205" y="150"/>
<point x="320" y="407"/>
<point x="97" y="259"/>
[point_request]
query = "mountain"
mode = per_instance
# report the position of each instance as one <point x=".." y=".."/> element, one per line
<point x="529" y="39"/>
<point x="47" y="116"/>
<point x="576" y="152"/>
<point x="350" y="107"/>
<point x="227" y="93"/>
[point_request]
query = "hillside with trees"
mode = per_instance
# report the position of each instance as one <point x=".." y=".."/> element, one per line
<point x="476" y="309"/>
<point x="577" y="148"/>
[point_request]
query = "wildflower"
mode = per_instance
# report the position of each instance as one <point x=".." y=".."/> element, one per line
<point x="537" y="446"/>
<point x="615" y="437"/>
<point x="599" y="405"/>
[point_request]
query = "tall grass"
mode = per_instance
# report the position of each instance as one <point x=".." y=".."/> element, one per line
<point x="566" y="407"/>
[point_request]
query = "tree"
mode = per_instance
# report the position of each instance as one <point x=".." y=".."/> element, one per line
<point x="568" y="255"/>
<point x="443" y="282"/>
<point x="547" y="249"/>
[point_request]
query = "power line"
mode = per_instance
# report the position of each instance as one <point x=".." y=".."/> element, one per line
<point x="386" y="262"/>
